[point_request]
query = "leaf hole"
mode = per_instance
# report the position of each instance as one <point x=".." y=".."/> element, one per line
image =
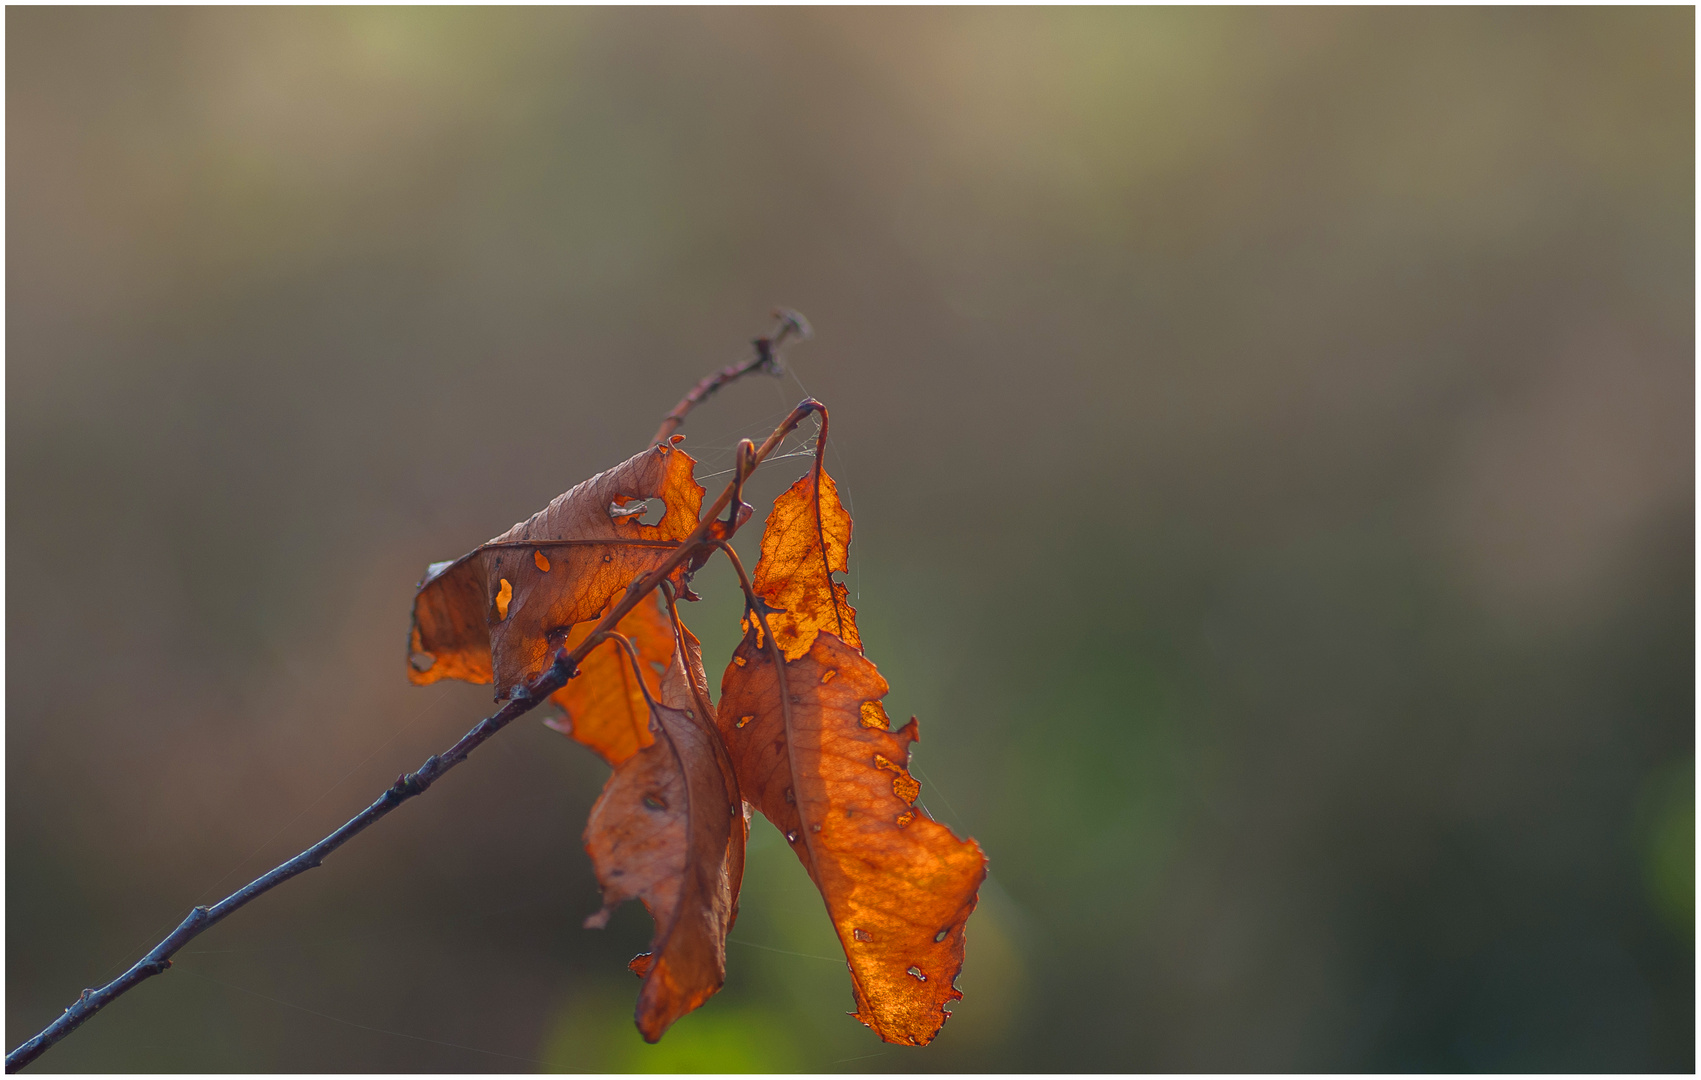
<point x="541" y="560"/>
<point x="791" y="837"/>
<point x="904" y="786"/>
<point x="654" y="801"/>
<point x="744" y="720"/>
<point x="917" y="973"/>
<point x="862" y="935"/>
<point x="739" y="660"/>
<point x="504" y="596"/>
<point x="937" y="938"/>
<point x="827" y="676"/>
<point x="422" y="661"/>
<point x="642" y="511"/>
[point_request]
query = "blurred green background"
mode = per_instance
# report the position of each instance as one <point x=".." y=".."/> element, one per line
<point x="1270" y="435"/>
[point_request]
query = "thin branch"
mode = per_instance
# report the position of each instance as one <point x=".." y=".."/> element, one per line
<point x="820" y="526"/>
<point x="708" y="533"/>
<point x="200" y="919"/>
<point x="787" y="324"/>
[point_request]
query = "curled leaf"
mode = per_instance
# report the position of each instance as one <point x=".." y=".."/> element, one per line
<point x="669" y="830"/>
<point x="498" y="612"/>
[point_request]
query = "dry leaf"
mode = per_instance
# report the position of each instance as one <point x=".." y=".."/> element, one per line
<point x="500" y="611"/>
<point x="898" y="885"/>
<point x="812" y="749"/>
<point x="805" y="542"/>
<point x="669" y="829"/>
<point x="603" y="706"/>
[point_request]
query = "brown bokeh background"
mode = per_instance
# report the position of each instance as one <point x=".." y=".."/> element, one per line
<point x="1270" y="435"/>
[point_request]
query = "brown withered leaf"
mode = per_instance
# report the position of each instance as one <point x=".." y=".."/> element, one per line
<point x="603" y="706"/>
<point x="669" y="829"/>
<point x="835" y="780"/>
<point x="804" y="543"/>
<point x="498" y="612"/>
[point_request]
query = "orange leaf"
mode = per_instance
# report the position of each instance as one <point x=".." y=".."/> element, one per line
<point x="498" y="612"/>
<point x="812" y="749"/>
<point x="898" y="885"/>
<point x="669" y="830"/>
<point x="805" y="541"/>
<point x="603" y="706"/>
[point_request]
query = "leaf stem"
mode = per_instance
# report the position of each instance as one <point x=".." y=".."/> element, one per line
<point x="697" y="692"/>
<point x="631" y="655"/>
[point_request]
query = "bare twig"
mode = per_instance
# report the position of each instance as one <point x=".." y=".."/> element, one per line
<point x="708" y="533"/>
<point x="200" y="919"/>
<point x="787" y="324"/>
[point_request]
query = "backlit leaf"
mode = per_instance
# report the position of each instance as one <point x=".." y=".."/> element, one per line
<point x="499" y="612"/>
<point x="805" y="542"/>
<point x="669" y="829"/>
<point x="813" y="750"/>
